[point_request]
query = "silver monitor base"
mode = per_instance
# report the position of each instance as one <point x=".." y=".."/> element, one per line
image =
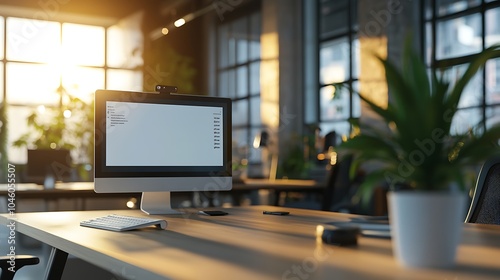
<point x="157" y="203"/>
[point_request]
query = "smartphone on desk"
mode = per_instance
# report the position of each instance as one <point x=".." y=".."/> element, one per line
<point x="278" y="213"/>
<point x="212" y="212"/>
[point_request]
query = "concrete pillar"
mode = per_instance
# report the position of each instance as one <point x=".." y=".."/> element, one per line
<point x="383" y="27"/>
<point x="281" y="71"/>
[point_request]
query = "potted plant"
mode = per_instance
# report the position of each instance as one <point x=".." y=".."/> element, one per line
<point x="418" y="150"/>
<point x="68" y="126"/>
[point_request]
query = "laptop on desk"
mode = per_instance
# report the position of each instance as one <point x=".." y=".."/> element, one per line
<point x="47" y="162"/>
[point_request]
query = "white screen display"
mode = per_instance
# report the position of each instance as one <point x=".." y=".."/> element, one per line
<point x="144" y="134"/>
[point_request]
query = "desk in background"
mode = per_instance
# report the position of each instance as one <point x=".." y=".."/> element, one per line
<point x="80" y="192"/>
<point x="247" y="245"/>
<point x="276" y="187"/>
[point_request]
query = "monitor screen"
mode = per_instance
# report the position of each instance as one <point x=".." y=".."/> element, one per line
<point x="156" y="143"/>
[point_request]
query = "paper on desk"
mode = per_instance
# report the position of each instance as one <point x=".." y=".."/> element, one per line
<point x="368" y="227"/>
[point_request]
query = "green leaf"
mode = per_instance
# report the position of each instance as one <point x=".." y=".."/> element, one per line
<point x="422" y="112"/>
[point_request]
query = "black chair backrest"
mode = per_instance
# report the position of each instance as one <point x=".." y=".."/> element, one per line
<point x="485" y="205"/>
<point x="338" y="185"/>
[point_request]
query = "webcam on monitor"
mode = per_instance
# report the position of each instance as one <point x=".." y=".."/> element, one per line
<point x="166" y="89"/>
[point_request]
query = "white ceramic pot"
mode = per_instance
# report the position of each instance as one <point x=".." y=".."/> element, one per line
<point x="426" y="227"/>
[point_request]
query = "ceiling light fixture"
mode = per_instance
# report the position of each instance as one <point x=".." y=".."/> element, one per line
<point x="162" y="31"/>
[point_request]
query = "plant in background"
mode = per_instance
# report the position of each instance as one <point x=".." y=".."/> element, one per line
<point x="69" y="126"/>
<point x="418" y="148"/>
<point x="299" y="159"/>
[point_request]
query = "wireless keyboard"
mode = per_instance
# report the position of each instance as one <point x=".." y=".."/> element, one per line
<point x="123" y="223"/>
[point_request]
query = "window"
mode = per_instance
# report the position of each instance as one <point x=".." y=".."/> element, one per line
<point x="338" y="51"/>
<point x="238" y="78"/>
<point x="45" y="61"/>
<point x="456" y="30"/>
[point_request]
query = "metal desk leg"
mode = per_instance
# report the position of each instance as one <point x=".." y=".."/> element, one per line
<point x="55" y="264"/>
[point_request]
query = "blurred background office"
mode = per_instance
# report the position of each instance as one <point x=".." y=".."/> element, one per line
<point x="278" y="60"/>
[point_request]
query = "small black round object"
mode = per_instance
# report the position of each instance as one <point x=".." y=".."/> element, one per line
<point x="342" y="236"/>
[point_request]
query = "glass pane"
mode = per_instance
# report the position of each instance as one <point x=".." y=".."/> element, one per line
<point x="82" y="82"/>
<point x="1" y="82"/>
<point x="41" y="88"/>
<point x="493" y="82"/>
<point x="255" y="78"/>
<point x="334" y="61"/>
<point x="240" y="112"/>
<point x="240" y="32"/>
<point x="254" y="36"/>
<point x="240" y="140"/>
<point x="242" y="81"/>
<point x="223" y="84"/>
<point x="492" y="116"/>
<point x="232" y="83"/>
<point x="231" y="50"/>
<point x="124" y="80"/>
<point x="341" y="128"/>
<point x="355" y="58"/>
<point x="354" y="14"/>
<point x="459" y="37"/>
<point x="492" y="23"/>
<point x="465" y="120"/>
<point x="333" y="17"/>
<point x="2" y="30"/>
<point x="17" y="126"/>
<point x="83" y="44"/>
<point x="124" y="43"/>
<point x="472" y="95"/>
<point x="445" y="7"/>
<point x="334" y="105"/>
<point x="240" y="144"/>
<point x="255" y="111"/>
<point x="428" y="44"/>
<point x="223" y="45"/>
<point x="33" y="40"/>
<point x="428" y="9"/>
<point x="356" y="101"/>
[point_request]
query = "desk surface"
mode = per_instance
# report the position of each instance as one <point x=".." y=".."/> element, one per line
<point x="248" y="245"/>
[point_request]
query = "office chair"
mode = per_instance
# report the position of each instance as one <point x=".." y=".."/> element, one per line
<point x="20" y="261"/>
<point x="339" y="191"/>
<point x="485" y="205"/>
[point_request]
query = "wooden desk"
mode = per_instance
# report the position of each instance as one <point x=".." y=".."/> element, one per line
<point x="248" y="245"/>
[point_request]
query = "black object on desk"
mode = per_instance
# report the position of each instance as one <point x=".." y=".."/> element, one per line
<point x="279" y="213"/>
<point x="342" y="236"/>
<point x="212" y="213"/>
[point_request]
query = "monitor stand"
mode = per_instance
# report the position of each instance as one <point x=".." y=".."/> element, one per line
<point x="157" y="203"/>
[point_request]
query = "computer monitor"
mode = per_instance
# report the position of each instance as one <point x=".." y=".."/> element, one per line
<point x="157" y="143"/>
